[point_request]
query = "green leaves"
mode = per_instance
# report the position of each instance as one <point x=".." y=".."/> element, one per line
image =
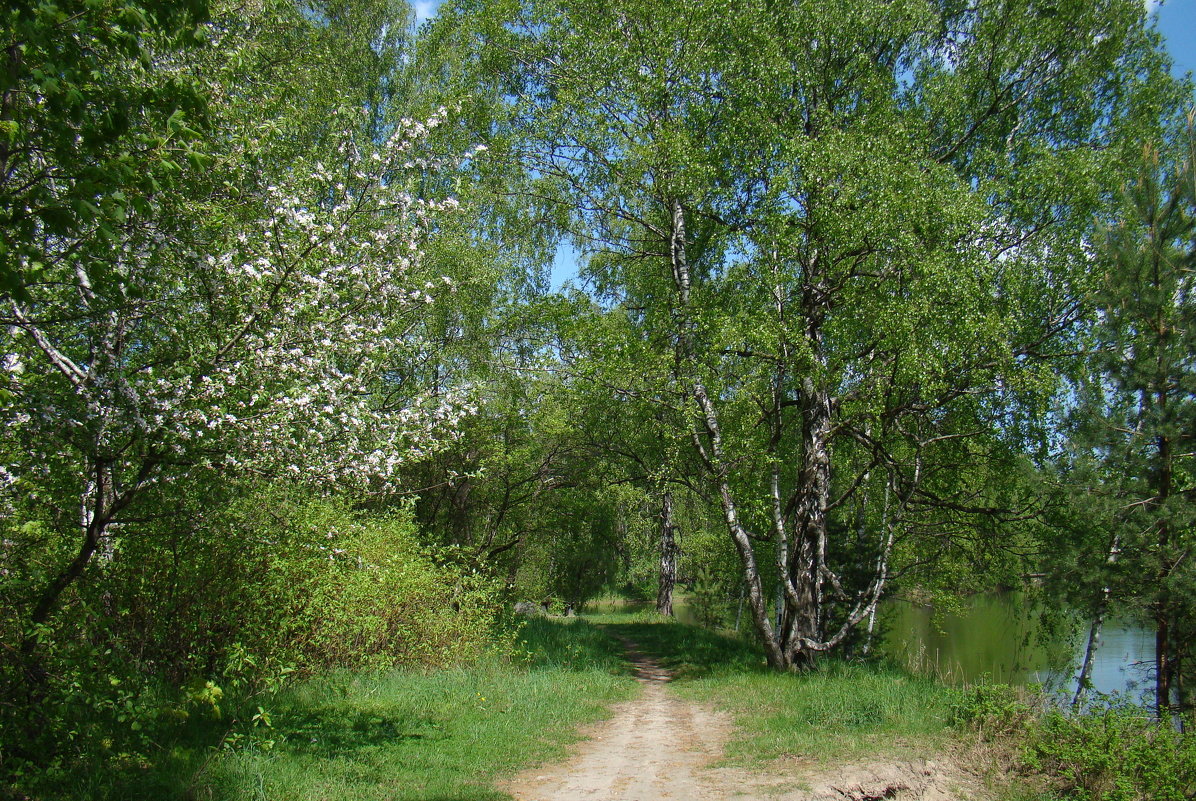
<point x="888" y="206"/>
<point x="81" y="94"/>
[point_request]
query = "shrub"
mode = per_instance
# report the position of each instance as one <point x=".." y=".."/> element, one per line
<point x="1110" y="754"/>
<point x="381" y="600"/>
<point x="170" y="634"/>
<point x="993" y="710"/>
<point x="1113" y="755"/>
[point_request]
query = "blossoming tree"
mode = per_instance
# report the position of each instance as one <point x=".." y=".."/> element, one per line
<point x="254" y="325"/>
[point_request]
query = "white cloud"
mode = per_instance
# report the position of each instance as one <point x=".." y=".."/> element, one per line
<point x="424" y="10"/>
<point x="1152" y="5"/>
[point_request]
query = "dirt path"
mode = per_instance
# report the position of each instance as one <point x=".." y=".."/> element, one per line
<point x="653" y="748"/>
<point x="658" y="747"/>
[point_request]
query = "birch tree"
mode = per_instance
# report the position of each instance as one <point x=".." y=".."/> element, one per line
<point x="857" y="228"/>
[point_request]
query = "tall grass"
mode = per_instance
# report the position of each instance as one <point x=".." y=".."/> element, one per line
<point x="436" y="735"/>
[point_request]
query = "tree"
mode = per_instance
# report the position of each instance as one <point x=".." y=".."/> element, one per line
<point x="1131" y="465"/>
<point x="857" y="229"/>
<point x="254" y="321"/>
<point x="92" y="118"/>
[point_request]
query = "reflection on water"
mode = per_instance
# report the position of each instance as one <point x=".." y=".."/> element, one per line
<point x="1002" y="637"/>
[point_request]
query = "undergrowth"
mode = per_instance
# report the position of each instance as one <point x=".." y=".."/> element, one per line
<point x="1111" y="752"/>
<point x="405" y="735"/>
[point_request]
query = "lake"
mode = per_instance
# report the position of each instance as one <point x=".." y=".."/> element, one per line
<point x="1002" y="636"/>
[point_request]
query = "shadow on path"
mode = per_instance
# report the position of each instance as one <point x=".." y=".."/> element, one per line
<point x="683" y="651"/>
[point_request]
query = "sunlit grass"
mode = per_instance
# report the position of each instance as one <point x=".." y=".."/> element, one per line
<point x="837" y="711"/>
<point x="442" y="735"/>
<point x="451" y="735"/>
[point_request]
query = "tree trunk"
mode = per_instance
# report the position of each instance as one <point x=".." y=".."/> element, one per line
<point x="1164" y="605"/>
<point x="1164" y="667"/>
<point x="1084" y="680"/>
<point x="668" y="556"/>
<point x="706" y="423"/>
<point x="808" y="560"/>
<point x="102" y="507"/>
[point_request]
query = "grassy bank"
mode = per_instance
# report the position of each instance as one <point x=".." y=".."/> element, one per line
<point x="401" y="736"/>
<point x="836" y="712"/>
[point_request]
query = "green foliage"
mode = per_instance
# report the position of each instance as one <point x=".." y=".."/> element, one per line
<point x="834" y="246"/>
<point x="1125" y="517"/>
<point x="94" y="120"/>
<point x="1113" y="755"/>
<point x="996" y="711"/>
<point x="173" y="634"/>
<point x="1110" y="753"/>
<point x="372" y="596"/>
<point x="711" y="595"/>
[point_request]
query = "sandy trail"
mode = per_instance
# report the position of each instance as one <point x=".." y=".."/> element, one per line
<point x="658" y="747"/>
<point x="653" y="748"/>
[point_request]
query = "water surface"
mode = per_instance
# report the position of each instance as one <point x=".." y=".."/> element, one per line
<point x="1003" y="637"/>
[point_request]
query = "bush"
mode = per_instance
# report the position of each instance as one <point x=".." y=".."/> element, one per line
<point x="381" y="600"/>
<point x="995" y="711"/>
<point x="273" y="580"/>
<point x="1113" y="755"/>
<point x="1110" y="754"/>
<point x="172" y="632"/>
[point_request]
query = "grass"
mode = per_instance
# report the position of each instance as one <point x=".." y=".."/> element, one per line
<point x="444" y="735"/>
<point x="452" y="735"/>
<point x="689" y="651"/>
<point x="837" y="711"/>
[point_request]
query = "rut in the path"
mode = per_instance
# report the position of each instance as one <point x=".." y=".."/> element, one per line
<point x="652" y="748"/>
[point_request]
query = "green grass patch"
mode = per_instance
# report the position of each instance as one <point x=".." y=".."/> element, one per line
<point x="834" y="712"/>
<point x="571" y="644"/>
<point x="440" y="735"/>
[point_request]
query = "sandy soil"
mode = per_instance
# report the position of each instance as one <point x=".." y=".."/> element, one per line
<point x="659" y="748"/>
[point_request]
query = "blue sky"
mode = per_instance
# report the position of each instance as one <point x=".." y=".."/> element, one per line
<point x="1177" y="21"/>
<point x="424" y="9"/>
